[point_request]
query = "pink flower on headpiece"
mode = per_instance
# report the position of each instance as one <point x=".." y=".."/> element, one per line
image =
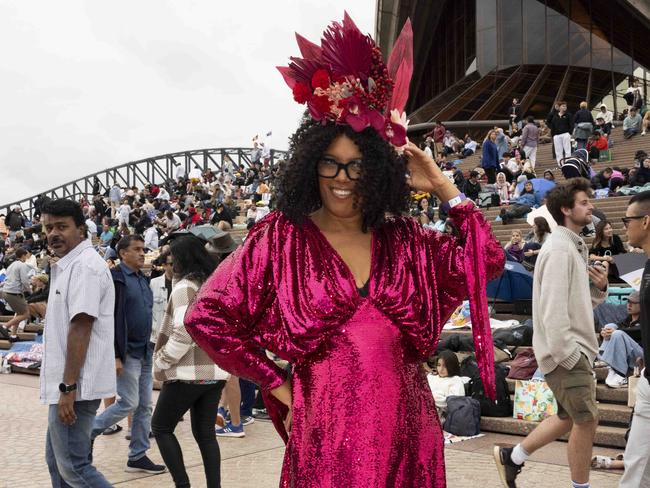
<point x="394" y="130"/>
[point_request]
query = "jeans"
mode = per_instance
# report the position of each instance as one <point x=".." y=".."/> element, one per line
<point x="202" y="401"/>
<point x="247" y="389"/>
<point x="620" y="351"/>
<point x="637" y="450"/>
<point x="491" y="174"/>
<point x="134" y="391"/>
<point x="67" y="448"/>
<point x="627" y="133"/>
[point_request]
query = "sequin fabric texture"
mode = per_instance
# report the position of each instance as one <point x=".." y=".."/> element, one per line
<point x="363" y="415"/>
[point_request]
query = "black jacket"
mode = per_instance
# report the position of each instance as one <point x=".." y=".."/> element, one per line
<point x="559" y="124"/>
<point x="121" y="323"/>
<point x="583" y="115"/>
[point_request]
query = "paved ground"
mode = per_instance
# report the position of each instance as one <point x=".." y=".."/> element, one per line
<point x="250" y="462"/>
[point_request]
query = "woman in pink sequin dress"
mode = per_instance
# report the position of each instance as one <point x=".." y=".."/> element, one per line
<point x="354" y="295"/>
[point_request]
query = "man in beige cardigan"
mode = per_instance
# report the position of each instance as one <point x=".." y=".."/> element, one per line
<point x="566" y="287"/>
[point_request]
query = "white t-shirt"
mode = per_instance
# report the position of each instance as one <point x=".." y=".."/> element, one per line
<point x="444" y="387"/>
<point x="151" y="238"/>
<point x="512" y="165"/>
<point x="124" y="212"/>
<point x="471" y="145"/>
<point x="162" y="194"/>
<point x="92" y="228"/>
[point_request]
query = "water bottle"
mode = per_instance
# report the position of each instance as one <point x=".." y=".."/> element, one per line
<point x="5" y="369"/>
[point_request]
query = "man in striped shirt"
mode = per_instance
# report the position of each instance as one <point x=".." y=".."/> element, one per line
<point x="78" y="365"/>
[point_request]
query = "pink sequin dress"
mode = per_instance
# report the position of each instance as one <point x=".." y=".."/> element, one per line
<point x="363" y="414"/>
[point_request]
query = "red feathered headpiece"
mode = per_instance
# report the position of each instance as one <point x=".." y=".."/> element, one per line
<point x="345" y="80"/>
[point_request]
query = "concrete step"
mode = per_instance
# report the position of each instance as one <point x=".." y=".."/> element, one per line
<point x="604" y="393"/>
<point x="26" y="336"/>
<point x="6" y="318"/>
<point x="33" y="371"/>
<point x="4" y="344"/>
<point x="36" y="328"/>
<point x="607" y="436"/>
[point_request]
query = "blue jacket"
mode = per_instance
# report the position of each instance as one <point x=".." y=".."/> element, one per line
<point x="121" y="324"/>
<point x="529" y="199"/>
<point x="490" y="157"/>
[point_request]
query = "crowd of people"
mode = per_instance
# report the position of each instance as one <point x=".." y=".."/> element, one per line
<point x="161" y="343"/>
<point x="284" y="321"/>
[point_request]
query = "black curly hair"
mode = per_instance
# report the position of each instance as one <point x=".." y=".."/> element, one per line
<point x="381" y="190"/>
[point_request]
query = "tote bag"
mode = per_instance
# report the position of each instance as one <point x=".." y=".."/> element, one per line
<point x="534" y="401"/>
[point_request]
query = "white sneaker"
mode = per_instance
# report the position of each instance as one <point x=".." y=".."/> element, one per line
<point x="643" y="133"/>
<point x="615" y="380"/>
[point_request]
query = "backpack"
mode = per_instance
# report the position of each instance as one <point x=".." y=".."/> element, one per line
<point x="520" y="335"/>
<point x="463" y="416"/>
<point x="502" y="407"/>
<point x="524" y="365"/>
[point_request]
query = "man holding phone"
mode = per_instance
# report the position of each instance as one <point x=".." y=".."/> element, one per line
<point x="566" y="287"/>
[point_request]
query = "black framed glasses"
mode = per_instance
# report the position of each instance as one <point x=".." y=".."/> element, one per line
<point x="330" y="168"/>
<point x="627" y="220"/>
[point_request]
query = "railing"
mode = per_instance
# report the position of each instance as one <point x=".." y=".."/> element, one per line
<point x="155" y="170"/>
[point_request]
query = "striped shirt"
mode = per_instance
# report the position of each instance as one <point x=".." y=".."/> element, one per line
<point x="81" y="283"/>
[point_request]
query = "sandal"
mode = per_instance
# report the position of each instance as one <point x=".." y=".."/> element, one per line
<point x="601" y="462"/>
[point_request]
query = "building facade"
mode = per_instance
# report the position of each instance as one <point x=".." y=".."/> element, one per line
<point x="472" y="57"/>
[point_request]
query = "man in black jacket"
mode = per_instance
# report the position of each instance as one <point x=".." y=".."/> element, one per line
<point x="637" y="451"/>
<point x="561" y="125"/>
<point x="133" y="355"/>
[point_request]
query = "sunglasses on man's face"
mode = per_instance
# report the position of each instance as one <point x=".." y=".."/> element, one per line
<point x="627" y="220"/>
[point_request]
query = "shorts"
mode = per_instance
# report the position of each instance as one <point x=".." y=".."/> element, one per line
<point x="575" y="391"/>
<point x="16" y="302"/>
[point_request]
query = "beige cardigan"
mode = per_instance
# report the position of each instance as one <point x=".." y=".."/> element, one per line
<point x="177" y="356"/>
<point x="563" y="302"/>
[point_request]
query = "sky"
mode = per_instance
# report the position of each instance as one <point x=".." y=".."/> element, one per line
<point x="87" y="85"/>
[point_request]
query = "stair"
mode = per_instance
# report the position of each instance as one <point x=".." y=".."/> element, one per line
<point x="614" y="417"/>
<point x="614" y="207"/>
<point x="614" y="414"/>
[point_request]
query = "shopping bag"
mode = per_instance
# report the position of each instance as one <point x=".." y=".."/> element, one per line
<point x="534" y="401"/>
<point x="605" y="155"/>
<point x="632" y="383"/>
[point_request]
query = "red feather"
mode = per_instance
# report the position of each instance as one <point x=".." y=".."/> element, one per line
<point x="308" y="49"/>
<point x="346" y="50"/>
<point x="400" y="67"/>
<point x="285" y="71"/>
<point x="302" y="70"/>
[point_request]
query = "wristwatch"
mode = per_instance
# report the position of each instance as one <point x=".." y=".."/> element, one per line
<point x="457" y="200"/>
<point x="63" y="388"/>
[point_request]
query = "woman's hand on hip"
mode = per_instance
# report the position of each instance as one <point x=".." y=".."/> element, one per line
<point x="283" y="393"/>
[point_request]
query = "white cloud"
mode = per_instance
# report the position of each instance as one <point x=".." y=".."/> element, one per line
<point x="90" y="85"/>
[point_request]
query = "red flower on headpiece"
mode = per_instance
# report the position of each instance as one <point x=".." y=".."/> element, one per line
<point x="320" y="79"/>
<point x="302" y="92"/>
<point x="321" y="104"/>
